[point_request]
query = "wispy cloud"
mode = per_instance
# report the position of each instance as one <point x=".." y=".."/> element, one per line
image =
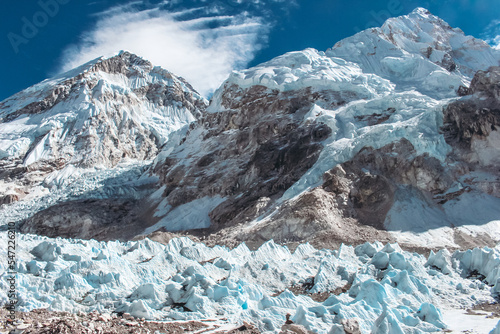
<point x="495" y="42"/>
<point x="491" y="34"/>
<point x="203" y="48"/>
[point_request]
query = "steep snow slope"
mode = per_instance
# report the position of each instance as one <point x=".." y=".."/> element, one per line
<point x="375" y="288"/>
<point x="345" y="145"/>
<point x="77" y="134"/>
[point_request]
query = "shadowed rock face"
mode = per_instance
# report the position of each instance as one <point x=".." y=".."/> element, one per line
<point x="374" y="175"/>
<point x="474" y="117"/>
<point x="352" y="203"/>
<point x="487" y="83"/>
<point x="399" y="163"/>
<point x="471" y="127"/>
<point x="103" y="219"/>
<point x="372" y="197"/>
<point x="250" y="153"/>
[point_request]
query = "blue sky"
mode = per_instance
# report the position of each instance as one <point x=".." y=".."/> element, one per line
<point x="198" y="39"/>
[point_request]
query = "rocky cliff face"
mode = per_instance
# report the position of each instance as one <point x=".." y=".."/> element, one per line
<point x="248" y="155"/>
<point x="255" y="142"/>
<point x="471" y="123"/>
<point x="471" y="128"/>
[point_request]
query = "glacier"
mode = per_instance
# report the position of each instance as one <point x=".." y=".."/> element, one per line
<point x="381" y="288"/>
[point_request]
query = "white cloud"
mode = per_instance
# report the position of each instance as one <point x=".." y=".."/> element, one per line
<point x="495" y="42"/>
<point x="491" y="34"/>
<point x="191" y="48"/>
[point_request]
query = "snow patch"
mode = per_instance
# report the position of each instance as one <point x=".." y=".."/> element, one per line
<point x="189" y="216"/>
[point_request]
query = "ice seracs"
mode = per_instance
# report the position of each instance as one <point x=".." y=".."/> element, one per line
<point x="309" y="68"/>
<point x="373" y="288"/>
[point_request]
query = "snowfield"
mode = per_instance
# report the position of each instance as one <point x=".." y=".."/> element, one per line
<point x="380" y="287"/>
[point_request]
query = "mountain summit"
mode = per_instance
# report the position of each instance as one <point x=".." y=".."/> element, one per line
<point x="98" y="114"/>
<point x="419" y="51"/>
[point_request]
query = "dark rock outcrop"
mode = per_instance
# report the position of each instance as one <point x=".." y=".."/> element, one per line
<point x="252" y="152"/>
<point x="101" y="219"/>
<point x="471" y="124"/>
<point x="10" y="198"/>
<point x="476" y="116"/>
<point x="352" y="203"/>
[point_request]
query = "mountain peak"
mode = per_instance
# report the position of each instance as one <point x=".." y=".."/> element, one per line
<point x="124" y="62"/>
<point x="100" y="114"/>
<point x="418" y="50"/>
<point x="421" y="11"/>
<point x="107" y="113"/>
<point x="420" y="19"/>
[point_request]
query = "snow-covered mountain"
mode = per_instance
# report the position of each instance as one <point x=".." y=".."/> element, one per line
<point x="99" y="114"/>
<point x="418" y="51"/>
<point x="371" y="140"/>
<point x="88" y="134"/>
<point x="360" y="142"/>
<point x="389" y="136"/>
